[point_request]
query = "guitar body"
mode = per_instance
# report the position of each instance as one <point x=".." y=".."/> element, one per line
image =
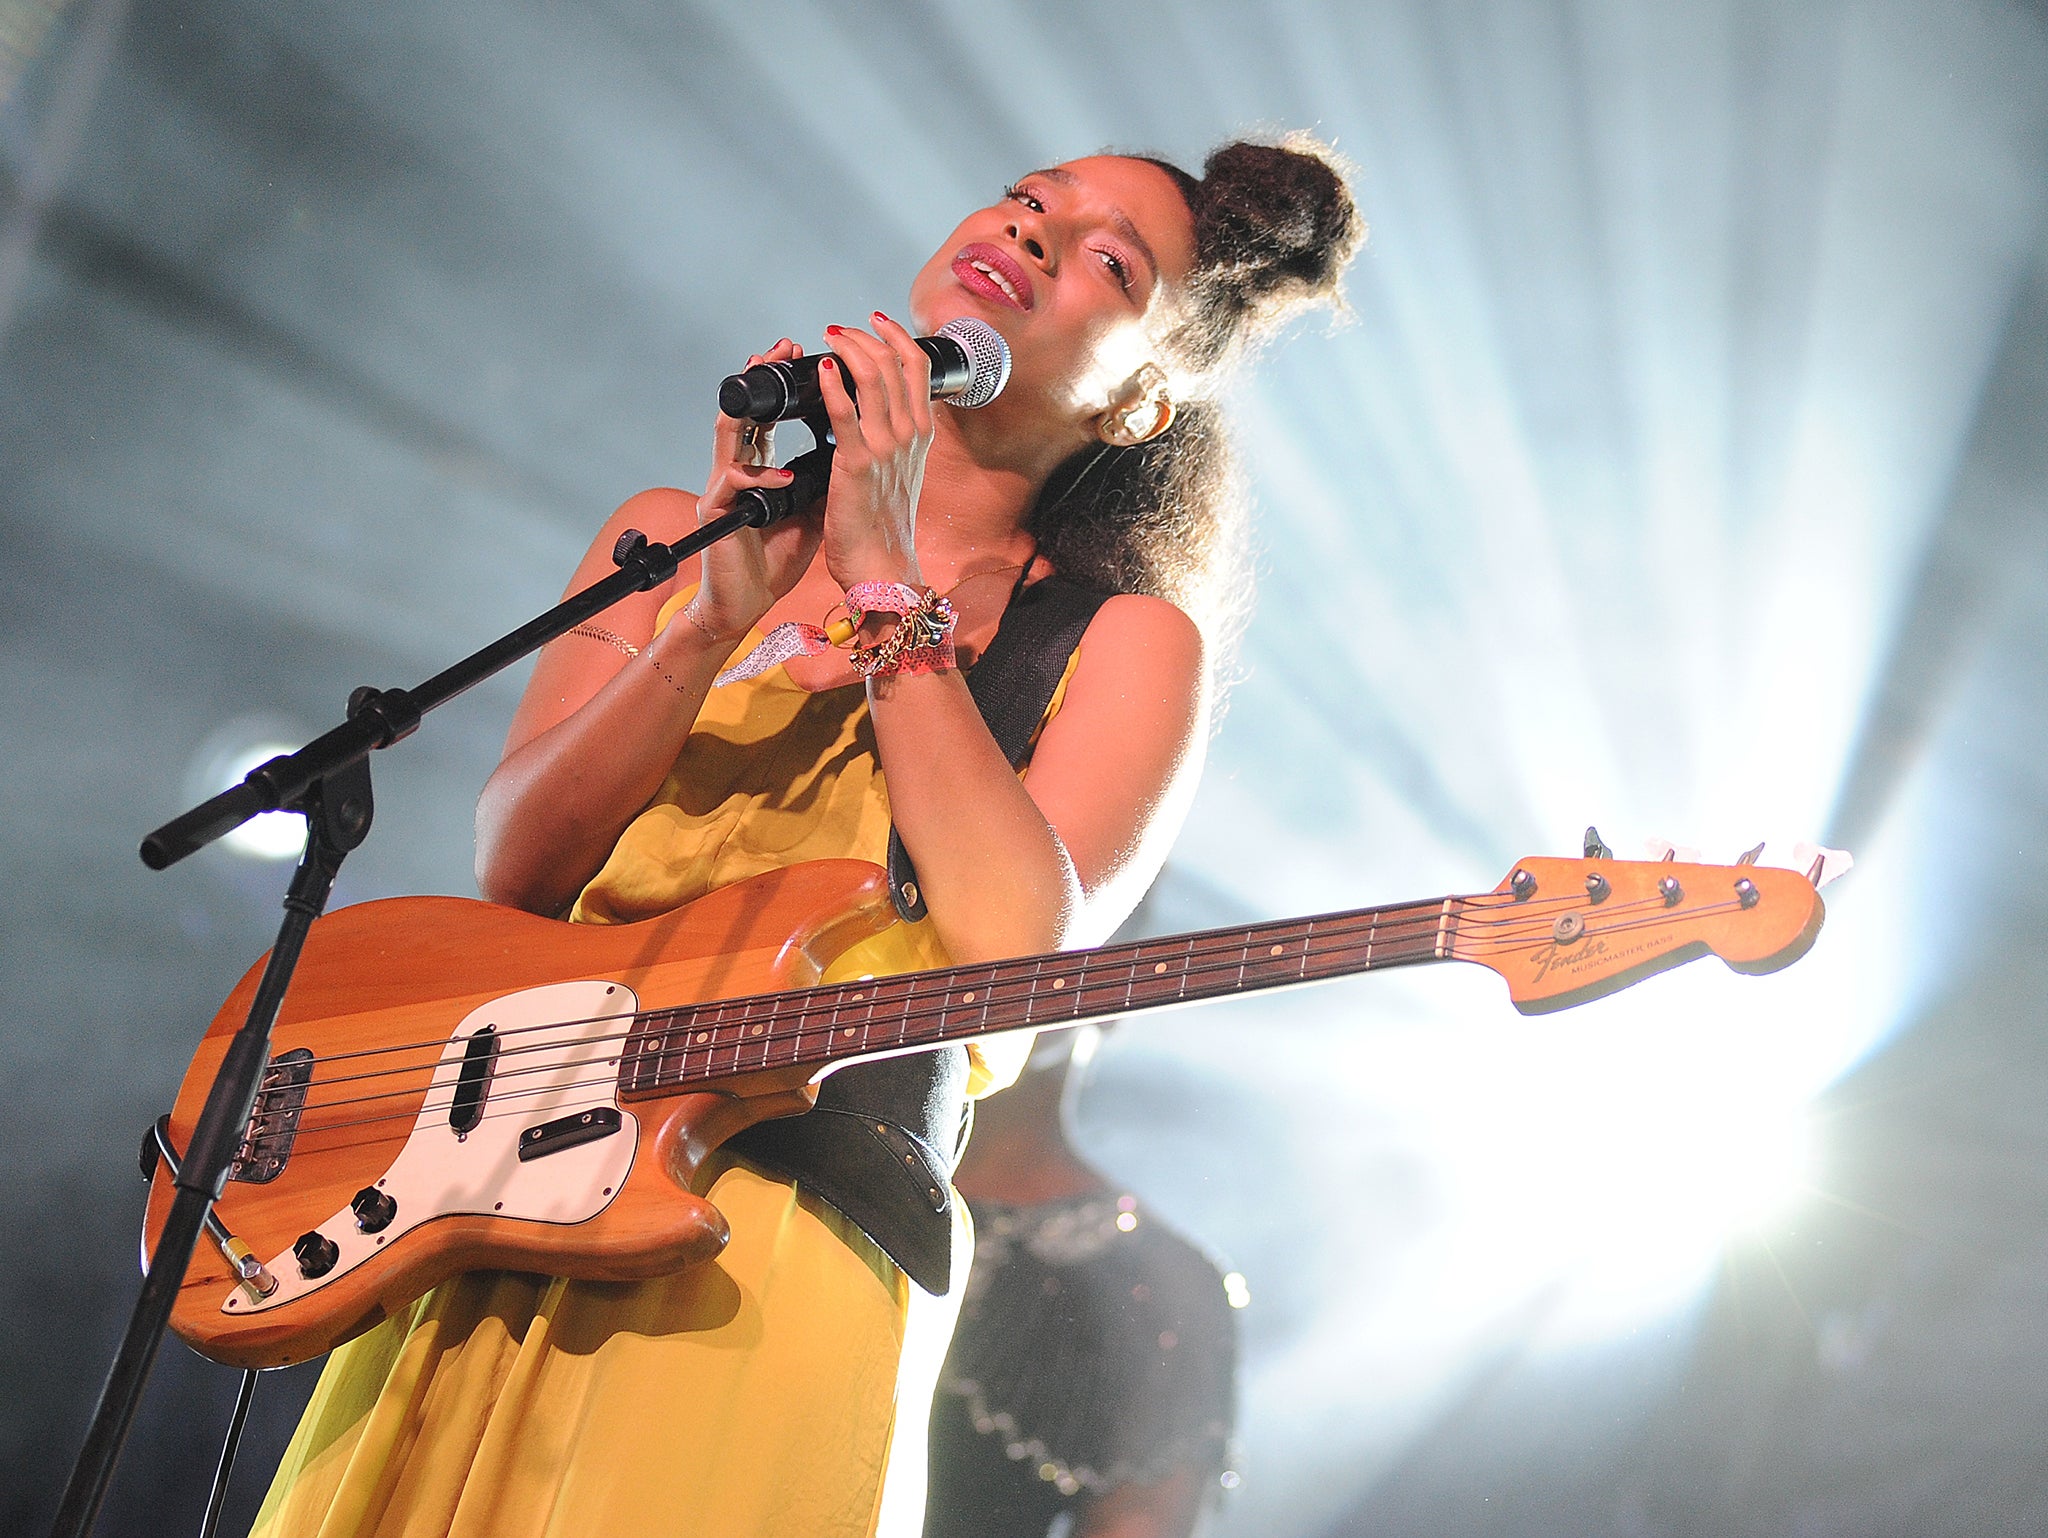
<point x="428" y="974"/>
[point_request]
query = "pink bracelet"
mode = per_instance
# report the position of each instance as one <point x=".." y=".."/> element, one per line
<point x="865" y="598"/>
<point x="922" y="641"/>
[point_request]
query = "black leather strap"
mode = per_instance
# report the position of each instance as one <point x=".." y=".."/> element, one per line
<point x="881" y="1145"/>
<point x="1013" y="682"/>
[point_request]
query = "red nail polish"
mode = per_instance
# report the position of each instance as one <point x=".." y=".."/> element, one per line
<point x="827" y="363"/>
<point x="832" y="330"/>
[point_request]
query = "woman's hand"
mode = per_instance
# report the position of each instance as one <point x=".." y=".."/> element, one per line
<point x="871" y="509"/>
<point x="744" y="574"/>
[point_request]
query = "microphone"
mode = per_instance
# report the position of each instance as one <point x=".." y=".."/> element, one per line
<point x="970" y="366"/>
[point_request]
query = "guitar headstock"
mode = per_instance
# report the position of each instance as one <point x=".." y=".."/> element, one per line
<point x="1563" y="932"/>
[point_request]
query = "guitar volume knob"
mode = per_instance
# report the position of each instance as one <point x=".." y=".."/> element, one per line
<point x="316" y="1254"/>
<point x="373" y="1209"/>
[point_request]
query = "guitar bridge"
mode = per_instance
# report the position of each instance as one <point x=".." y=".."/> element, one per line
<point x="274" y="1125"/>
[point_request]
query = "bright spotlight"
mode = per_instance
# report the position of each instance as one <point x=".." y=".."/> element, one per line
<point x="1607" y="1161"/>
<point x="1745" y="1170"/>
<point x="224" y="760"/>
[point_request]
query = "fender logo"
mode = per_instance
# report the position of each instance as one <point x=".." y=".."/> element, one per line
<point x="1592" y="952"/>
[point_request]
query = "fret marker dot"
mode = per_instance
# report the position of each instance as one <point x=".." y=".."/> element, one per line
<point x="858" y="997"/>
<point x="759" y="1029"/>
<point x="702" y="1037"/>
<point x="967" y="998"/>
<point x="846" y="1031"/>
<point x="1274" y="951"/>
<point x="1159" y="966"/>
<point x="1059" y="982"/>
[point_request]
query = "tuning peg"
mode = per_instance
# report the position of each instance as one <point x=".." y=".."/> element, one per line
<point x="1663" y="851"/>
<point x="1749" y="856"/>
<point x="1821" y="865"/>
<point x="1595" y="849"/>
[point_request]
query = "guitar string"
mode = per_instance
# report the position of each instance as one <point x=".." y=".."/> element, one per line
<point x="1472" y="912"/>
<point x="1427" y="916"/>
<point x="832" y="997"/>
<point x="768" y="1034"/>
<point x="610" y="1080"/>
<point x="914" y="1013"/>
<point x="830" y="1000"/>
<point x="1422" y="924"/>
<point x="1433" y="907"/>
<point x="909" y="1020"/>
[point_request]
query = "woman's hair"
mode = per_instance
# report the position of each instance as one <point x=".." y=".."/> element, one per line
<point x="1274" y="228"/>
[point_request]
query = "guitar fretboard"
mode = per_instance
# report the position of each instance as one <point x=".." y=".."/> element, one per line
<point x="696" y="1043"/>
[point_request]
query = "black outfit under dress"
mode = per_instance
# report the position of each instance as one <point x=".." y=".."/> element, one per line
<point x="1096" y="1348"/>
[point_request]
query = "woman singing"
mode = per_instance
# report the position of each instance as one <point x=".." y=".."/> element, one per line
<point x="784" y="1389"/>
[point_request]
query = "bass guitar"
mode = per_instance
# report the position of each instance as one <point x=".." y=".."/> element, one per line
<point x="455" y="1085"/>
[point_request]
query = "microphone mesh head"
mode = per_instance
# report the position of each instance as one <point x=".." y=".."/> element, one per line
<point x="988" y="360"/>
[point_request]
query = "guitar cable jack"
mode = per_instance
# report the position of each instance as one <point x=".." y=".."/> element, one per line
<point x="251" y="1273"/>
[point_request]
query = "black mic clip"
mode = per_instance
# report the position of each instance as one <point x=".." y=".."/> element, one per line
<point x="811" y="473"/>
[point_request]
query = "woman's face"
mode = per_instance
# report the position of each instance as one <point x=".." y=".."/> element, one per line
<point x="1079" y="267"/>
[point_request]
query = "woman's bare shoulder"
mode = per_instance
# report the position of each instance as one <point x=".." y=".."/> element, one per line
<point x="1144" y="633"/>
<point x="662" y="513"/>
<point x="1140" y="672"/>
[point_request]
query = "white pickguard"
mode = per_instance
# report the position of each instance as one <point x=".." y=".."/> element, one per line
<point x="544" y="1071"/>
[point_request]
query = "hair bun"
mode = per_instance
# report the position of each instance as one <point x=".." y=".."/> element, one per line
<point x="1275" y="227"/>
<point x="1281" y="214"/>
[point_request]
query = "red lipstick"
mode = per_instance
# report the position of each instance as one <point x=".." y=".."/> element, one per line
<point x="994" y="274"/>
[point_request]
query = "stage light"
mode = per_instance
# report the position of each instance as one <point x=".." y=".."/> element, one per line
<point x="221" y="763"/>
<point x="1744" y="1171"/>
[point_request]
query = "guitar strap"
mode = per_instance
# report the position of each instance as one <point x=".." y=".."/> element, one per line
<point x="1013" y="683"/>
<point x="882" y="1141"/>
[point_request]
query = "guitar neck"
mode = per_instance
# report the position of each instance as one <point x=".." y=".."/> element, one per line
<point x="670" y="1049"/>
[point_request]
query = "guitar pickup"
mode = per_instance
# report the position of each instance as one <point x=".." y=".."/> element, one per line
<point x="473" y="1083"/>
<point x="551" y="1137"/>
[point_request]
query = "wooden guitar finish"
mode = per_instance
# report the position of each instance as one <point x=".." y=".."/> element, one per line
<point x="478" y="1088"/>
<point x="405" y="971"/>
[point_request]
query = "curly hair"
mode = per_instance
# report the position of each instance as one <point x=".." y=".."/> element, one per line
<point x="1274" y="228"/>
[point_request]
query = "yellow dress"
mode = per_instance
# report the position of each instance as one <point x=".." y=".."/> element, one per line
<point x="783" y="1390"/>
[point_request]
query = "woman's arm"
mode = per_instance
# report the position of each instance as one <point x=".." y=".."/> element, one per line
<point x="597" y="730"/>
<point x="1012" y="867"/>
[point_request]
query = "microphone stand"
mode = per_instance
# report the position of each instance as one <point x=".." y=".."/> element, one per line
<point x="328" y="783"/>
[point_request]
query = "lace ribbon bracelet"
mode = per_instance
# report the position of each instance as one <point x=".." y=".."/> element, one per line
<point x="921" y="642"/>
